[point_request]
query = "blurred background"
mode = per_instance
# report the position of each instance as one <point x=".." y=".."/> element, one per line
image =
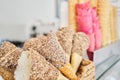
<point x="18" y="17"/>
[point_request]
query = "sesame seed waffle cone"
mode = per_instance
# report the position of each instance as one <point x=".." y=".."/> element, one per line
<point x="65" y="37"/>
<point x="80" y="43"/>
<point x="34" y="43"/>
<point x="31" y="43"/>
<point x="79" y="49"/>
<point x="8" y="61"/>
<point x="35" y="67"/>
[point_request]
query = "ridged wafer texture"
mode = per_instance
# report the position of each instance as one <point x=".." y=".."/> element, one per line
<point x="104" y="19"/>
<point x="113" y="19"/>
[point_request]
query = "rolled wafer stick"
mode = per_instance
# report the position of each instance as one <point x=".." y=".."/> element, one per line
<point x="104" y="10"/>
<point x="72" y="14"/>
<point x="112" y="24"/>
<point x="115" y="10"/>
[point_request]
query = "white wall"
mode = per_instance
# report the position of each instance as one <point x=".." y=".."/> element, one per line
<point x="12" y="32"/>
<point x="22" y="11"/>
<point x="16" y="15"/>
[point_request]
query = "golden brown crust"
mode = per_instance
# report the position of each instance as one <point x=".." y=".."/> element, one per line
<point x="68" y="72"/>
<point x="7" y="75"/>
<point x="80" y="43"/>
<point x="41" y="69"/>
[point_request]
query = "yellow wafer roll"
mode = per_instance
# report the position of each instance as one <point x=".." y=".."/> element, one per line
<point x="72" y="13"/>
<point x="103" y="10"/>
<point x="93" y="3"/>
<point x="115" y="23"/>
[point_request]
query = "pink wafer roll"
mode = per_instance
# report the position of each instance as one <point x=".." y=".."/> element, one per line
<point x="94" y="12"/>
<point x="83" y="12"/>
<point x="84" y="18"/>
<point x="84" y="21"/>
<point x="83" y="29"/>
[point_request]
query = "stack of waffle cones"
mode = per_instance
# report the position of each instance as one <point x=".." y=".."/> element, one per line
<point x="72" y="13"/>
<point x="115" y="11"/>
<point x="104" y="18"/>
<point x="113" y="22"/>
